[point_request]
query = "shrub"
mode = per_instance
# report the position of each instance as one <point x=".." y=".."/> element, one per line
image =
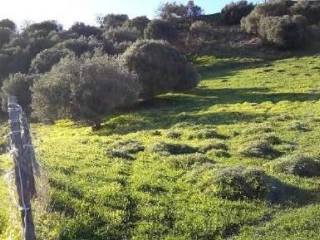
<point x="240" y="183"/>
<point x="18" y="85"/>
<point x="5" y="35"/>
<point x="200" y="29"/>
<point x="7" y="23"/>
<point x="139" y="23"/>
<point x="161" y="30"/>
<point x="80" y="46"/>
<point x="260" y="149"/>
<point x="232" y="13"/>
<point x="82" y="29"/>
<point x="125" y="149"/>
<point x="122" y="34"/>
<point x="160" y="67"/>
<point x="45" y="60"/>
<point x="172" y="148"/>
<point x="84" y="89"/>
<point x="277" y="8"/>
<point x="284" y="32"/>
<point x="114" y="20"/>
<point x="213" y="146"/>
<point x="300" y="165"/>
<point x="308" y="9"/>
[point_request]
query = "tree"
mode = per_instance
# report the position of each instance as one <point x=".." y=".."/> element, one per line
<point x="84" y="89"/>
<point x="122" y="34"/>
<point x="161" y="29"/>
<point x="284" y="32"/>
<point x="82" y="29"/>
<point x="18" y="85"/>
<point x="140" y="23"/>
<point x="43" y="28"/>
<point x="160" y="67"/>
<point x="7" y="23"/>
<point x="233" y="12"/>
<point x="309" y="9"/>
<point x="46" y="59"/>
<point x="113" y="20"/>
<point x="169" y="11"/>
<point x="5" y="35"/>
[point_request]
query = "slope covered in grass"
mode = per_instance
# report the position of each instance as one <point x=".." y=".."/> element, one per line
<point x="154" y="173"/>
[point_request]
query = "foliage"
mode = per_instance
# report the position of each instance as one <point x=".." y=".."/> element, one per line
<point x="76" y="88"/>
<point x="260" y="149"/>
<point x="233" y="12"/>
<point x="200" y="29"/>
<point x="172" y="149"/>
<point x="18" y="85"/>
<point x="125" y="149"/>
<point x="284" y="32"/>
<point x="46" y="59"/>
<point x="82" y="29"/>
<point x="7" y="23"/>
<point x="160" y="29"/>
<point x="160" y="67"/>
<point x="169" y="11"/>
<point x="308" y="9"/>
<point x="43" y="28"/>
<point x="113" y="20"/>
<point x="240" y="183"/>
<point x="122" y="34"/>
<point x="300" y="165"/>
<point x="5" y="35"/>
<point x="139" y="23"/>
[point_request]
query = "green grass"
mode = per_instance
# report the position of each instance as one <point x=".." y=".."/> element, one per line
<point x="156" y="194"/>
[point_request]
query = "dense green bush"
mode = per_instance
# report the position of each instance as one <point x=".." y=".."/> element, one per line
<point x="233" y="12"/>
<point x="284" y="32"/>
<point x="161" y="30"/>
<point x="18" y="85"/>
<point x="309" y="9"/>
<point x="84" y="89"/>
<point x="139" y="23"/>
<point x="113" y="20"/>
<point x="82" y="29"/>
<point x="251" y="23"/>
<point x="240" y="183"/>
<point x="45" y="60"/>
<point x="122" y="34"/>
<point x="7" y="23"/>
<point x="160" y="67"/>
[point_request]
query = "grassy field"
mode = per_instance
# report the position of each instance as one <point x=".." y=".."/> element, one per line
<point x="152" y="173"/>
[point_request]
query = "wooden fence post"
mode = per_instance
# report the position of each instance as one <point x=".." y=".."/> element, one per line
<point x="22" y="152"/>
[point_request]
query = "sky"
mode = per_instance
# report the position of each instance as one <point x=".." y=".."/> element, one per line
<point x="68" y="12"/>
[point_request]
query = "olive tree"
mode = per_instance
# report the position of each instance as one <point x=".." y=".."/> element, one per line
<point x="84" y="89"/>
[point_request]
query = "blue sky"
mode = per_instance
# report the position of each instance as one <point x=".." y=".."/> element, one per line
<point x="69" y="11"/>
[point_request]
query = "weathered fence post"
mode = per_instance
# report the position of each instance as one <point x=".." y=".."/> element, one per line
<point x="22" y="152"/>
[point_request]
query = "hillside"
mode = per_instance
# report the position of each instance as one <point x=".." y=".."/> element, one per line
<point x="149" y="174"/>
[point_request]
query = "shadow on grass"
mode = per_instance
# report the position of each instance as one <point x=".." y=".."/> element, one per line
<point x="286" y="194"/>
<point x="169" y="110"/>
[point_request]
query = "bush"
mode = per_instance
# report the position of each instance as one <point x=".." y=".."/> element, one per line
<point x="80" y="46"/>
<point x="308" y="9"/>
<point x="251" y="23"/>
<point x="160" y="67"/>
<point x="284" y="32"/>
<point x="114" y="20"/>
<point x="300" y="165"/>
<point x="122" y="34"/>
<point x="82" y="29"/>
<point x="200" y="29"/>
<point x="84" y="89"/>
<point x="240" y="183"/>
<point x="5" y="35"/>
<point x="205" y="134"/>
<point x="45" y="60"/>
<point x="7" y="23"/>
<point x="232" y="13"/>
<point x="18" y="85"/>
<point x="161" y="30"/>
<point x="139" y="23"/>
